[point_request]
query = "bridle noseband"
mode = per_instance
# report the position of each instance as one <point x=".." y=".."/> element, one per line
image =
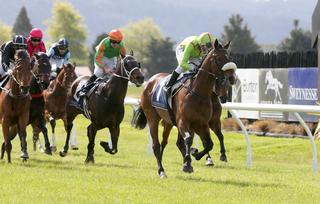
<point x="124" y="70"/>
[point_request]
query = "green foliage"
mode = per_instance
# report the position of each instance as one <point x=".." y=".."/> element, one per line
<point x="5" y="33"/>
<point x="93" y="50"/>
<point x="160" y="57"/>
<point x="22" y="25"/>
<point x="299" y="39"/>
<point x="67" y="22"/>
<point x="138" y="36"/>
<point x="240" y="35"/>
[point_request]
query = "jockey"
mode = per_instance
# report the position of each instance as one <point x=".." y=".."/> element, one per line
<point x="107" y="56"/>
<point x="35" y="43"/>
<point x="189" y="54"/>
<point x="59" y="55"/>
<point x="8" y="50"/>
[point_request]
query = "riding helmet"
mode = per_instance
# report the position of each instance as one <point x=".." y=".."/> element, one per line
<point x="20" y="41"/>
<point x="36" y="33"/>
<point x="63" y="42"/>
<point x="115" y="35"/>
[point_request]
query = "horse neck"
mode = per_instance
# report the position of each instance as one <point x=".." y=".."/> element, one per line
<point x="14" y="86"/>
<point x="203" y="83"/>
<point x="58" y="87"/>
<point x="116" y="88"/>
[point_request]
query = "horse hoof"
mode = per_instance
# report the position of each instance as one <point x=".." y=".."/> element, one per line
<point x="62" y="153"/>
<point x="24" y="160"/>
<point x="187" y="168"/>
<point x="223" y="158"/>
<point x="48" y="151"/>
<point x="24" y="156"/>
<point x="53" y="148"/>
<point x="209" y="162"/>
<point x="74" y="148"/>
<point x="89" y="160"/>
<point x="162" y="175"/>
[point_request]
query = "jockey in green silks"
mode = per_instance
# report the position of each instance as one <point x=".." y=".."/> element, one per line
<point x="189" y="54"/>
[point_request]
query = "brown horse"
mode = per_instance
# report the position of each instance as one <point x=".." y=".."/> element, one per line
<point x="192" y="106"/>
<point x="55" y="98"/>
<point x="105" y="106"/>
<point x="15" y="102"/>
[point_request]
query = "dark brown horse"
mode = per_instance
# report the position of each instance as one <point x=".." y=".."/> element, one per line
<point x="106" y="105"/>
<point x="55" y="98"/>
<point x="15" y="102"/>
<point x="192" y="106"/>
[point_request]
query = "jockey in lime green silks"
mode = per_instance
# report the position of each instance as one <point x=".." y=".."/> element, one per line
<point x="189" y="54"/>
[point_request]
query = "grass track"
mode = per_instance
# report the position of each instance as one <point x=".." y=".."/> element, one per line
<point x="281" y="172"/>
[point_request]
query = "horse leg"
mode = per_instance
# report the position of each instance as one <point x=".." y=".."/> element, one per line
<point x="165" y="135"/>
<point x="35" y="136"/>
<point x="91" y="131"/>
<point x="181" y="146"/>
<point x="3" y="149"/>
<point x="204" y="134"/>
<point x="23" y="141"/>
<point x="44" y="130"/>
<point x="188" y="139"/>
<point x="216" y="127"/>
<point x="52" y="122"/>
<point x="71" y="114"/>
<point x="114" y="133"/>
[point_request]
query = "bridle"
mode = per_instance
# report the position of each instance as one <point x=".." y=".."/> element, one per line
<point x="125" y="74"/>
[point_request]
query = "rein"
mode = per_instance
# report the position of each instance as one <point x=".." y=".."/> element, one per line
<point x="124" y="70"/>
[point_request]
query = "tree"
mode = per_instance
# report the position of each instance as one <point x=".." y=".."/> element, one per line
<point x="299" y="39"/>
<point x="22" y="25"/>
<point x="67" y="22"/>
<point x="138" y="36"/>
<point x="93" y="50"/>
<point x="160" y="57"/>
<point x="5" y="33"/>
<point x="240" y="36"/>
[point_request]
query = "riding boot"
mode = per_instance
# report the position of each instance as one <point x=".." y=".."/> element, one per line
<point x="88" y="85"/>
<point x="172" y="80"/>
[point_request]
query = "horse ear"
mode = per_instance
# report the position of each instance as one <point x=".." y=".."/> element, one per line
<point x="74" y="65"/>
<point x="216" y="44"/>
<point x="131" y="52"/>
<point x="227" y="45"/>
<point x="139" y="64"/>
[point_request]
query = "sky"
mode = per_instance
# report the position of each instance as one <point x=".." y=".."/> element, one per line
<point x="270" y="21"/>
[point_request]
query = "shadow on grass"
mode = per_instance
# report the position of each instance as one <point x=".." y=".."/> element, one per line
<point x="231" y="182"/>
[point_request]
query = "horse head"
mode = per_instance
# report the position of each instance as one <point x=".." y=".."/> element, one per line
<point x="219" y="63"/>
<point x="67" y="75"/>
<point x="21" y="74"/>
<point x="42" y="69"/>
<point x="132" y="69"/>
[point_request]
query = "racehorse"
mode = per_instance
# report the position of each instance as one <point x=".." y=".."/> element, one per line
<point x="15" y="102"/>
<point x="55" y="99"/>
<point x="39" y="82"/>
<point x="105" y="105"/>
<point x="192" y="106"/>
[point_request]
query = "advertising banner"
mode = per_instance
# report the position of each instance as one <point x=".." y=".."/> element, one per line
<point x="303" y="90"/>
<point x="273" y="90"/>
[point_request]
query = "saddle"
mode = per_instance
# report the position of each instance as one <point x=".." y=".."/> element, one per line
<point x="80" y="101"/>
<point x="163" y="101"/>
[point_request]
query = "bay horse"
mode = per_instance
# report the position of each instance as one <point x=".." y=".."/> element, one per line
<point x="55" y="98"/>
<point x="192" y="106"/>
<point x="39" y="82"/>
<point x="105" y="106"/>
<point x="15" y="102"/>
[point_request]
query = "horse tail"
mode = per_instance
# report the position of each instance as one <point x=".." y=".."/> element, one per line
<point x="139" y="119"/>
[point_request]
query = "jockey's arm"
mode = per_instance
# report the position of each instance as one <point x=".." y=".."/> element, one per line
<point x="99" y="55"/>
<point x="50" y="53"/>
<point x="123" y="52"/>
<point x="185" y="57"/>
<point x="5" y="57"/>
<point x="66" y="58"/>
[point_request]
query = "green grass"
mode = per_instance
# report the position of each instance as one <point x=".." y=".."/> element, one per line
<point x="281" y="172"/>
